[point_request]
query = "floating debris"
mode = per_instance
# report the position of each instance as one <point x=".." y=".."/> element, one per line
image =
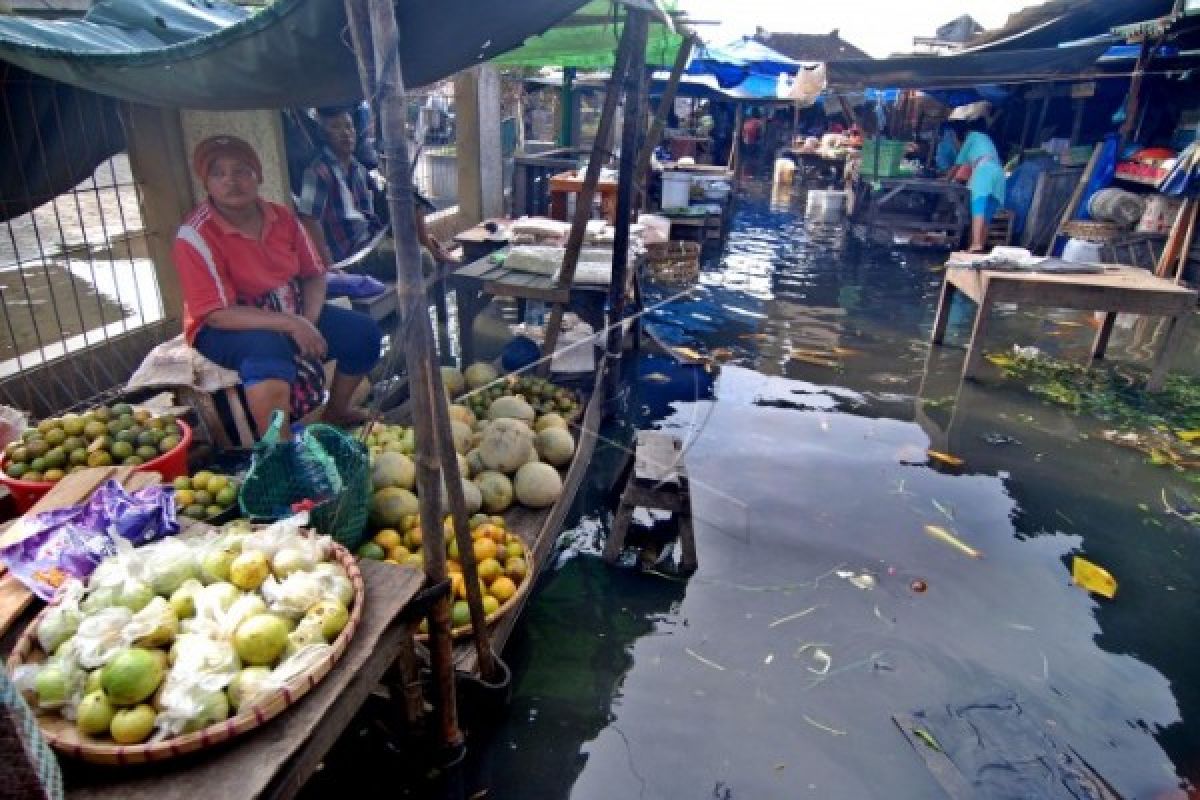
<point x="791" y="617"/>
<point x="1184" y="510"/>
<point x="1000" y="438"/>
<point x="703" y="660"/>
<point x="945" y="458"/>
<point x="879" y="615"/>
<point x="770" y="657"/>
<point x="815" y="360"/>
<point x="928" y="738"/>
<point x="865" y="581"/>
<point x="826" y="728"/>
<point x="656" y="377"/>
<point x="946" y="511"/>
<point x="755" y="337"/>
<point x="941" y="534"/>
<point x="919" y="586"/>
<point x="1017" y="626"/>
<point x="824" y="659"/>
<point x="1093" y="577"/>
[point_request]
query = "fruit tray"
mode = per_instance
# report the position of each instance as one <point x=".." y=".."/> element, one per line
<point x="64" y="737"/>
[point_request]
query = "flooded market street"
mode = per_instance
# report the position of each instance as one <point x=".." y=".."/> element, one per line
<point x="768" y="674"/>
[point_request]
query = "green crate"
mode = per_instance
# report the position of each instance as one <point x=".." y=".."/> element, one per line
<point x="890" y="154"/>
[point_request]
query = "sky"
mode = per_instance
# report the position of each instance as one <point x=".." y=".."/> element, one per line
<point x="880" y="27"/>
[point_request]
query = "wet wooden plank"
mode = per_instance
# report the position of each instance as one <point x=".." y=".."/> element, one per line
<point x="939" y="764"/>
<point x="275" y="759"/>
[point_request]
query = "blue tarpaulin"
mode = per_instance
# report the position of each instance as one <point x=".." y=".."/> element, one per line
<point x="734" y="63"/>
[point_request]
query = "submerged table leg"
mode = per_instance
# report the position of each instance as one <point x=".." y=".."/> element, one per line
<point x="978" y="334"/>
<point x="943" y="311"/>
<point x="1100" y="344"/>
<point x="1171" y="344"/>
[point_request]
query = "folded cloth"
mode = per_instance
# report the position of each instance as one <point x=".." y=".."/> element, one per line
<point x="344" y="284"/>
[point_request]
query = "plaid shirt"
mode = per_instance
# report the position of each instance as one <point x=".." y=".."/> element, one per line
<point x="341" y="203"/>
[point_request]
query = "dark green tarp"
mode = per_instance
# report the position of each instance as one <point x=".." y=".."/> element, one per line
<point x="208" y="54"/>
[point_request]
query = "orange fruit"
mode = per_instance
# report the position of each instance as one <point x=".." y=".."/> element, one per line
<point x="490" y="605"/>
<point x="498" y="521"/>
<point x="414" y="538"/>
<point x="453" y="566"/>
<point x="411" y="521"/>
<point x="503" y="588"/>
<point x="387" y="538"/>
<point x="489" y="570"/>
<point x="516" y="569"/>
<point x="398" y="553"/>
<point x="485" y="549"/>
<point x="458" y="585"/>
<point x="514" y="550"/>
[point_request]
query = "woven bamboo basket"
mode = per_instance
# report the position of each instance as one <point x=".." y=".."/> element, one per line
<point x="506" y="607"/>
<point x="673" y="262"/>
<point x="1091" y="230"/>
<point x="64" y="737"/>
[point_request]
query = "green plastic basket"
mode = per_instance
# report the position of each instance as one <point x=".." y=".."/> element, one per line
<point x="890" y="153"/>
<point x="324" y="466"/>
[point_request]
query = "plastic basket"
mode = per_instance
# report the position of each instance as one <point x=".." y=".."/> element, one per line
<point x="890" y="155"/>
<point x="169" y="465"/>
<point x="325" y="467"/>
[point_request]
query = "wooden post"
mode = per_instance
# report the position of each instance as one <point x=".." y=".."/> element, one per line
<point x="378" y="18"/>
<point x="1133" y="104"/>
<point x="159" y="162"/>
<point x="1069" y="211"/>
<point x="734" y="161"/>
<point x="638" y="25"/>
<point x="566" y="109"/>
<point x="480" y="161"/>
<point x="660" y="115"/>
<point x="583" y="202"/>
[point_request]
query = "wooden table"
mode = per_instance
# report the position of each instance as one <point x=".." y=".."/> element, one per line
<point x="875" y="208"/>
<point x="472" y="282"/>
<point x="478" y="242"/>
<point x="567" y="183"/>
<point x="275" y="759"/>
<point x="1119" y="289"/>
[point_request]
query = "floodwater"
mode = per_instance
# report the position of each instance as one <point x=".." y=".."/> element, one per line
<point x="776" y="669"/>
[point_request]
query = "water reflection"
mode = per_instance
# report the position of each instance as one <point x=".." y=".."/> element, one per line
<point x="776" y="669"/>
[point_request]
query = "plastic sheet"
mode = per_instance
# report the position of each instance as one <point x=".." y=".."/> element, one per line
<point x="71" y="542"/>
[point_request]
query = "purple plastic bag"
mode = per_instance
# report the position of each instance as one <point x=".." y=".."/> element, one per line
<point x="71" y="542"/>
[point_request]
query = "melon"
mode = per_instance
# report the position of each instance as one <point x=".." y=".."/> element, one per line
<point x="550" y="420"/>
<point x="453" y="381"/>
<point x="537" y="485"/>
<point x="390" y="506"/>
<point x="479" y="374"/>
<point x="555" y="446"/>
<point x="511" y="407"/>
<point x="532" y="456"/>
<point x="391" y="470"/>
<point x="472" y="497"/>
<point x="462" y="436"/>
<point x="462" y="414"/>
<point x="505" y="445"/>
<point x="475" y="463"/>
<point x="497" y="491"/>
<point x="464" y="467"/>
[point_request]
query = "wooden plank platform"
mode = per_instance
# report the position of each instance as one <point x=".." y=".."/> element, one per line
<point x="275" y="759"/>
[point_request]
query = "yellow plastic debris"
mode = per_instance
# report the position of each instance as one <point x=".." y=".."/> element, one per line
<point x="1092" y="577"/>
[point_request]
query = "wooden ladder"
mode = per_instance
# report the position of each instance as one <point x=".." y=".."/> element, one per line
<point x="658" y="481"/>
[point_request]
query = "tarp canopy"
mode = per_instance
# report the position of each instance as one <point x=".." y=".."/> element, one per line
<point x="216" y="55"/>
<point x="588" y="40"/>
<point x="733" y="64"/>
<point x="967" y="69"/>
<point x="1057" y="21"/>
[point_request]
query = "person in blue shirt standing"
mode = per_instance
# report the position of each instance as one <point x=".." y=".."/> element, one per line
<point x="986" y="181"/>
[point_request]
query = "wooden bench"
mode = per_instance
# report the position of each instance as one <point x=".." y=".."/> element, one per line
<point x="658" y="481"/>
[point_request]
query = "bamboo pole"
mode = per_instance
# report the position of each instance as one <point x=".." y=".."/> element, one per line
<point x="660" y="115"/>
<point x="638" y="25"/>
<point x="734" y="161"/>
<point x="601" y="147"/>
<point x="378" y="16"/>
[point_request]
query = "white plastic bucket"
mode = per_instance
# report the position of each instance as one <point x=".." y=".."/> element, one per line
<point x="676" y="191"/>
<point x="825" y="205"/>
<point x="1081" y="251"/>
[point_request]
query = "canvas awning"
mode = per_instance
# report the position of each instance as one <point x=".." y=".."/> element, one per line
<point x="588" y="40"/>
<point x="967" y="69"/>
<point x="216" y="55"/>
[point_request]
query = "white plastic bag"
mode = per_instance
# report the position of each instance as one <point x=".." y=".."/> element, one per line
<point x="101" y="635"/>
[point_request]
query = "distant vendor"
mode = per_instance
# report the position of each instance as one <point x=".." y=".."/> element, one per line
<point x="986" y="180"/>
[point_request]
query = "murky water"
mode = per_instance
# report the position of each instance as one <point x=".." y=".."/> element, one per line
<point x="635" y="686"/>
<point x="769" y="673"/>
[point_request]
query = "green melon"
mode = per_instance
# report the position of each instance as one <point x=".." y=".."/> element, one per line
<point x="391" y="470"/>
<point x="479" y="374"/>
<point x="390" y="506"/>
<point x="505" y="445"/>
<point x="512" y="407"/>
<point x="497" y="491"/>
<point x="537" y="485"/>
<point x="555" y="446"/>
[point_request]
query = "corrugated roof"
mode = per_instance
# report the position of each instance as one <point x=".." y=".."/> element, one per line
<point x="810" y="47"/>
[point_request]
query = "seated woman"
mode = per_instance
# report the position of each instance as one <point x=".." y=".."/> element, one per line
<point x="254" y="295"/>
<point x="987" y="181"/>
